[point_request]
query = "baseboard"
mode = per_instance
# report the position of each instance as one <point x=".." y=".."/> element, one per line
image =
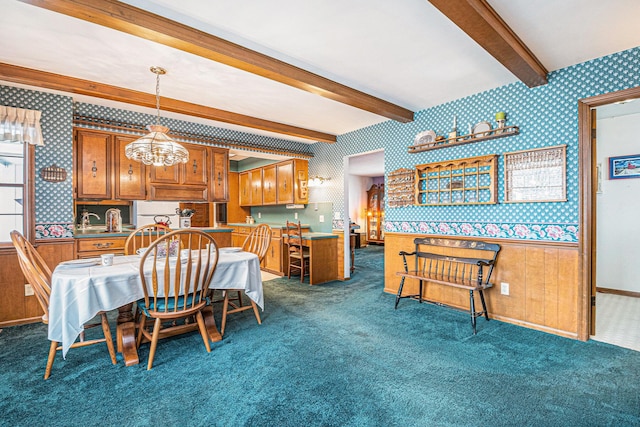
<point x="619" y="292"/>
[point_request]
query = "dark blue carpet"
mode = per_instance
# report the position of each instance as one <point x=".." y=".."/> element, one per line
<point x="330" y="355"/>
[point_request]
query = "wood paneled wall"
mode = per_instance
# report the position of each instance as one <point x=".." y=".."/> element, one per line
<point x="15" y="307"/>
<point x="543" y="280"/>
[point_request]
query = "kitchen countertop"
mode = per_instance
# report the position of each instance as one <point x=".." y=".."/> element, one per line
<point x="95" y="232"/>
<point x="317" y="236"/>
<point x="272" y="225"/>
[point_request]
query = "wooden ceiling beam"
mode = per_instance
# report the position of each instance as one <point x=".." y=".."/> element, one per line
<point x="43" y="79"/>
<point x="481" y="22"/>
<point x="141" y="23"/>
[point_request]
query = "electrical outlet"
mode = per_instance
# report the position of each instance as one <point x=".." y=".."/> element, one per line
<point x="504" y="288"/>
<point x="295" y="215"/>
<point x="28" y="290"/>
<point x="336" y="215"/>
<point x="259" y="215"/>
<point x="321" y="218"/>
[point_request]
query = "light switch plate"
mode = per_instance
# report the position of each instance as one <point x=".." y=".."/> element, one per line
<point x="321" y="218"/>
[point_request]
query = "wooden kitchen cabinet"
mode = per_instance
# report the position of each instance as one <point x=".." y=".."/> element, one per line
<point x="219" y="183"/>
<point x="251" y="187"/>
<point x="102" y="171"/>
<point x="94" y="247"/>
<point x="272" y="261"/>
<point x="245" y="189"/>
<point x="269" y="185"/>
<point x="293" y="177"/>
<point x="289" y="180"/>
<point x="184" y="181"/>
<point x="130" y="181"/>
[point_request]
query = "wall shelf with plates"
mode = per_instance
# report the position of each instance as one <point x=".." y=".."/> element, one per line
<point x="470" y="181"/>
<point x="484" y="135"/>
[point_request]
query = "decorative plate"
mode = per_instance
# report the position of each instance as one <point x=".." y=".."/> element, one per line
<point x="482" y="128"/>
<point x="426" y="137"/>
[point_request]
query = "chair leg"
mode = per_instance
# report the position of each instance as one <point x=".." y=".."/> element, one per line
<point x="225" y="308"/>
<point x="239" y="298"/>
<point x="52" y="355"/>
<point x="472" y="309"/>
<point x="203" y="331"/>
<point x="108" y="338"/>
<point x="398" y="295"/>
<point x="256" y="312"/>
<point x="154" y="342"/>
<point x="484" y="304"/>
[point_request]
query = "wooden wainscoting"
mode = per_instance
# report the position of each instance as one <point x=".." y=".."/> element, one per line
<point x="15" y="307"/>
<point x="543" y="280"/>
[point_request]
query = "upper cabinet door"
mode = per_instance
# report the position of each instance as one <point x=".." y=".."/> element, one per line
<point x="130" y="176"/>
<point x="93" y="165"/>
<point x="245" y="189"/>
<point x="165" y="174"/>
<point x="195" y="170"/>
<point x="219" y="172"/>
<point x="285" y="182"/>
<point x="256" y="187"/>
<point x="269" y="185"/>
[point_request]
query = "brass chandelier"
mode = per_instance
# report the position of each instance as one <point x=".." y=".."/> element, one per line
<point x="156" y="148"/>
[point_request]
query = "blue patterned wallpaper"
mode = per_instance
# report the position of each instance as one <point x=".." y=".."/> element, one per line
<point x="251" y="141"/>
<point x="54" y="200"/>
<point x="547" y="116"/>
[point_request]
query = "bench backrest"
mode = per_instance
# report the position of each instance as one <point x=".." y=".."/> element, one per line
<point x="468" y="262"/>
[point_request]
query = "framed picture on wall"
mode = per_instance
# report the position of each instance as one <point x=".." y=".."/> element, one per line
<point x="624" y="167"/>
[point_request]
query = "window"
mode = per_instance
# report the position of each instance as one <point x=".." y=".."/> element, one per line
<point x="16" y="190"/>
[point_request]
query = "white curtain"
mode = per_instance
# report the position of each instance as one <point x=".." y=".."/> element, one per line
<point x="20" y="125"/>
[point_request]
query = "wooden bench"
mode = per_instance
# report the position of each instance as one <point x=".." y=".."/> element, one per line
<point x="465" y="264"/>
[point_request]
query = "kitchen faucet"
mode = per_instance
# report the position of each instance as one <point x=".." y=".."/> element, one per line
<point x="86" y="221"/>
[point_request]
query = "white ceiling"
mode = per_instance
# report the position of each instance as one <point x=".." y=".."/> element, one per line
<point x="403" y="51"/>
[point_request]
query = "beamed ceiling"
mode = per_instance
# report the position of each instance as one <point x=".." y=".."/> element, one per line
<point x="304" y="71"/>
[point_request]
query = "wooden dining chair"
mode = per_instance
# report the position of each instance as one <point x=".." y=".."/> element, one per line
<point x="38" y="274"/>
<point x="144" y="236"/>
<point x="298" y="254"/>
<point x="257" y="242"/>
<point x="175" y="288"/>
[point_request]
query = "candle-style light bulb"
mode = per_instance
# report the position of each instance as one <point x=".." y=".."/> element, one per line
<point x="455" y="122"/>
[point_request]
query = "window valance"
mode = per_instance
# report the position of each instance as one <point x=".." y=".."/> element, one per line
<point x="20" y="125"/>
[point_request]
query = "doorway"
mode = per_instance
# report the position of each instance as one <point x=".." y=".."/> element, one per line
<point x="360" y="172"/>
<point x="589" y="180"/>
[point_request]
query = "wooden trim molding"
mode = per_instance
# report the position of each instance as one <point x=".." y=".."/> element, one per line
<point x="483" y="24"/>
<point x="619" y="292"/>
<point x="43" y="79"/>
<point x="141" y="23"/>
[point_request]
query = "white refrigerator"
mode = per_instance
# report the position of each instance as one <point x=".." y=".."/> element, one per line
<point x="152" y="212"/>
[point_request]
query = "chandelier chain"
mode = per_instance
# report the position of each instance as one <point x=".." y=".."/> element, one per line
<point x="158" y="98"/>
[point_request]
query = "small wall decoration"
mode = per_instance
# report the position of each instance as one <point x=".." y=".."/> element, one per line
<point x="53" y="173"/>
<point x="624" y="167"/>
<point x="537" y="175"/>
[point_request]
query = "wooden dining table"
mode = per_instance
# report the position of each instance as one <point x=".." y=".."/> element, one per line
<point x="80" y="289"/>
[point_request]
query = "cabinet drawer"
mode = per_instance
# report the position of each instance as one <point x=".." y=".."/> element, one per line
<point x="243" y="230"/>
<point x="276" y="233"/>
<point x="106" y="244"/>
